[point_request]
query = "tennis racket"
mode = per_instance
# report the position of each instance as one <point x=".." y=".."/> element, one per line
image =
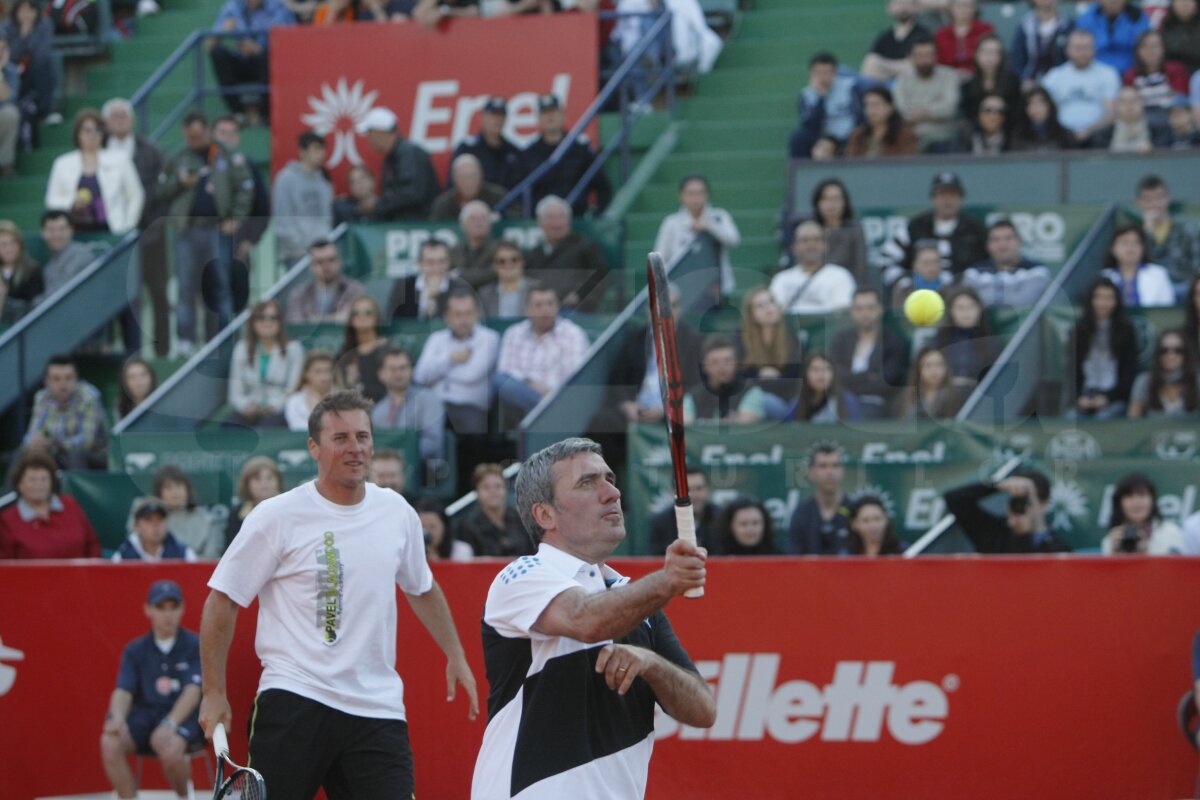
<point x="244" y="783"/>
<point x="670" y="384"/>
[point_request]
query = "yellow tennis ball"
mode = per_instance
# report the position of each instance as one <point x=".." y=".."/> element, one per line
<point x="924" y="307"/>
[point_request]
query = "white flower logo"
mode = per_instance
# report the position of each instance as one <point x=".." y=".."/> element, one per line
<point x="337" y="111"/>
<point x="1068" y="502"/>
<point x="8" y="675"/>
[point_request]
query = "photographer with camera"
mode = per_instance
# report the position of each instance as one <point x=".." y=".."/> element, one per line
<point x="1137" y="524"/>
<point x="1024" y="527"/>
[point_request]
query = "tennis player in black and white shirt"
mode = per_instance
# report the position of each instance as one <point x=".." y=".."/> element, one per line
<point x="324" y="560"/>
<point x="577" y="655"/>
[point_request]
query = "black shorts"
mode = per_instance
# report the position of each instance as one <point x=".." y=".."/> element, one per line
<point x="143" y="721"/>
<point x="300" y="745"/>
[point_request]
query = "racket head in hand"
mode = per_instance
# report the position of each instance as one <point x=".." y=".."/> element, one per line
<point x="242" y="783"/>
<point x="670" y="384"/>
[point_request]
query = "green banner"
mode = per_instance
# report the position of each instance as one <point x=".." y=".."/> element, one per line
<point x="1049" y="233"/>
<point x="910" y="465"/>
<point x="391" y="250"/>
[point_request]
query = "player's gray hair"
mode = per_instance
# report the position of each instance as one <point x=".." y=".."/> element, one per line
<point x="337" y="403"/>
<point x="535" y="481"/>
<point x="552" y="201"/>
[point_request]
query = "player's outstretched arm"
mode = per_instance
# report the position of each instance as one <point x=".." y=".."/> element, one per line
<point x="683" y="694"/>
<point x="611" y="615"/>
<point x="216" y="637"/>
<point x="434" y="612"/>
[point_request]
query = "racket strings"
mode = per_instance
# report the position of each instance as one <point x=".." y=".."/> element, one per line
<point x="243" y="786"/>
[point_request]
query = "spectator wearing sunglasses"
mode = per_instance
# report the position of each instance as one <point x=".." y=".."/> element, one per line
<point x="1169" y="388"/>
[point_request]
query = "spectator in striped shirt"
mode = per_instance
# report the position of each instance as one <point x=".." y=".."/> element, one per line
<point x="68" y="418"/>
<point x="1007" y="278"/>
<point x="540" y="353"/>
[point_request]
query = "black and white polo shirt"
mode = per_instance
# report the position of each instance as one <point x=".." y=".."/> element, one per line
<point x="555" y="729"/>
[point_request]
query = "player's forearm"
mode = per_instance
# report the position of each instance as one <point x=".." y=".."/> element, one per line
<point x="613" y="614"/>
<point x="188" y="699"/>
<point x="434" y="612"/>
<point x="684" y="695"/>
<point x="216" y="636"/>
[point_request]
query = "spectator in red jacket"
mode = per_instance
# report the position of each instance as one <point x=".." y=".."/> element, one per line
<point x="43" y="523"/>
<point x="957" y="40"/>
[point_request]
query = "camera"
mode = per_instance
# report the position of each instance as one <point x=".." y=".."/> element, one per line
<point x="1130" y="540"/>
<point x="1018" y="505"/>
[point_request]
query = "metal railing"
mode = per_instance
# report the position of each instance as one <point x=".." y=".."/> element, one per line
<point x="192" y="50"/>
<point x="624" y="83"/>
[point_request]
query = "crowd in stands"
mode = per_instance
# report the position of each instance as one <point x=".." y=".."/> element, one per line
<point x="1109" y="79"/>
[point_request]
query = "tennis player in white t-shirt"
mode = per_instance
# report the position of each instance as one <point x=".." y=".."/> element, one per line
<point x="324" y="560"/>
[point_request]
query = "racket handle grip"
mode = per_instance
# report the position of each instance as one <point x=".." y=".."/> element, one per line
<point x="220" y="740"/>
<point x="685" y="524"/>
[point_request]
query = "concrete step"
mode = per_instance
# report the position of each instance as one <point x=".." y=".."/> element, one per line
<point x="664" y="196"/>
<point x="776" y="107"/>
<point x="769" y="166"/>
<point x="760" y="79"/>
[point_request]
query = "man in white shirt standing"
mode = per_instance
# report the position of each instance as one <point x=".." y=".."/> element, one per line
<point x="1084" y="89"/>
<point x="578" y="655"/>
<point x="324" y="560"/>
<point x="458" y="361"/>
<point x="540" y="353"/>
<point x="812" y="286"/>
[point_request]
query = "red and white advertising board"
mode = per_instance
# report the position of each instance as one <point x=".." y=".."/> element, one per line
<point x="326" y="79"/>
<point x="935" y="678"/>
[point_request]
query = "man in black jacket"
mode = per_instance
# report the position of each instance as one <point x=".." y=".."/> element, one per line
<point x="870" y="360"/>
<point x="962" y="239"/>
<point x="560" y="179"/>
<point x="567" y="261"/>
<point x="1023" y="529"/>
<point x="423" y="296"/>
<point x="408" y="182"/>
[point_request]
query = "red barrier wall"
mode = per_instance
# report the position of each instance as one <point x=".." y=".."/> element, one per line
<point x="327" y="78"/>
<point x="935" y="678"/>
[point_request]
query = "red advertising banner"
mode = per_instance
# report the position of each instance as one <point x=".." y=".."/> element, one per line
<point x="326" y="79"/>
<point x="935" y="678"/>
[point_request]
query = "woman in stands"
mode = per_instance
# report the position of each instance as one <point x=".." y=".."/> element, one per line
<point x="768" y="352"/>
<point x="958" y="40"/>
<point x="265" y="366"/>
<point x="316" y="381"/>
<point x="20" y="279"/>
<point x="1130" y="131"/>
<point x="99" y="188"/>
<point x="1157" y="80"/>
<point x="43" y="523"/>
<point x="1137" y="523"/>
<point x="1038" y="129"/>
<point x="883" y="132"/>
<point x="138" y="380"/>
<point x="440" y="544"/>
<point x="192" y="524"/>
<point x="30" y="37"/>
<point x="494" y="527"/>
<point x="1169" y="389"/>
<point x="845" y="244"/>
<point x="1140" y="283"/>
<point x="990" y="75"/>
<point x="1191" y="316"/>
<point x="1106" y="355"/>
<point x="965" y="339"/>
<point x="820" y="401"/>
<point x="744" y="528"/>
<point x="872" y="531"/>
<point x="1181" y="33"/>
<point x="260" y="480"/>
<point x="358" y="361"/>
<point x="931" y="393"/>
<point x="987" y="133"/>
